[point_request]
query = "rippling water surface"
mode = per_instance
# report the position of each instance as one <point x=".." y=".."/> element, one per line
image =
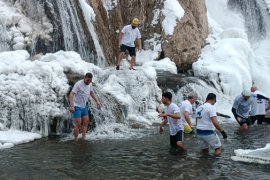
<point x="149" y="157"/>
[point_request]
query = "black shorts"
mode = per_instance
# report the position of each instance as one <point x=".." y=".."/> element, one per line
<point x="178" y="137"/>
<point x="260" y="118"/>
<point x="243" y="120"/>
<point x="131" y="50"/>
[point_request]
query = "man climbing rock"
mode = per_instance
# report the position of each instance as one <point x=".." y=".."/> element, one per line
<point x="128" y="35"/>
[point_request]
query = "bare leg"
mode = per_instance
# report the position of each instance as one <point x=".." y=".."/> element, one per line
<point x="132" y="62"/>
<point x="182" y="146"/>
<point x="76" y="129"/>
<point x="218" y="152"/>
<point x="244" y="126"/>
<point x="85" y="120"/>
<point x="120" y="57"/>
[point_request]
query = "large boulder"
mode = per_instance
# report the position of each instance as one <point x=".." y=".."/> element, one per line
<point x="183" y="47"/>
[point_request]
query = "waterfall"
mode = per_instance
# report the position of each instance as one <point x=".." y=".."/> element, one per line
<point x="89" y="17"/>
<point x="256" y="17"/>
<point x="46" y="26"/>
<point x="74" y="36"/>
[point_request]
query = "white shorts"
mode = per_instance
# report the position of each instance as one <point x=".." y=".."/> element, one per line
<point x="211" y="140"/>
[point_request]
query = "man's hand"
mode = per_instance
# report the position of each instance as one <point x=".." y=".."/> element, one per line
<point x="161" y="129"/>
<point x="163" y="115"/>
<point x="98" y="105"/>
<point x="72" y="109"/>
<point x="223" y="133"/>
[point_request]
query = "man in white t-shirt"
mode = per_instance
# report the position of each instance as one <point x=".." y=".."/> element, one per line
<point x="78" y="99"/>
<point x="129" y="34"/>
<point x="207" y="123"/>
<point x="257" y="111"/>
<point x="186" y="111"/>
<point x="172" y="115"/>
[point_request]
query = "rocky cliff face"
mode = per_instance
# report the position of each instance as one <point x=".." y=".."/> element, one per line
<point x="183" y="47"/>
<point x="63" y="25"/>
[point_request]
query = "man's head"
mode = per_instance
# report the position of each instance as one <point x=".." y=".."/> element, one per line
<point x="192" y="97"/>
<point x="166" y="98"/>
<point x="88" y="78"/>
<point x="253" y="88"/>
<point x="135" y="23"/>
<point x="211" y="98"/>
<point x="246" y="94"/>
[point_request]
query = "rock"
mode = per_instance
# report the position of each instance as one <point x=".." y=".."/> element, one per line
<point x="183" y="47"/>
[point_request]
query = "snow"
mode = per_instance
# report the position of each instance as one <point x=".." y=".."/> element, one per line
<point x="15" y="27"/>
<point x="260" y="155"/>
<point x="173" y="12"/>
<point x="268" y="4"/>
<point x="156" y="13"/>
<point x="13" y="137"/>
<point x="109" y="4"/>
<point x="152" y="50"/>
<point x="164" y="65"/>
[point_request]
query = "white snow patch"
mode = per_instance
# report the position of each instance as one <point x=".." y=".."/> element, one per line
<point x="13" y="137"/>
<point x="173" y="12"/>
<point x="261" y="155"/>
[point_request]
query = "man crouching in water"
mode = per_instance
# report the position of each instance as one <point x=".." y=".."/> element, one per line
<point x="78" y="98"/>
<point x="172" y="115"/>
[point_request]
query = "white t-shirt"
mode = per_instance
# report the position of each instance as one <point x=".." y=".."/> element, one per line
<point x="130" y="35"/>
<point x="203" y="116"/>
<point x="185" y="106"/>
<point x="82" y="93"/>
<point x="258" y="106"/>
<point x="242" y="106"/>
<point x="175" y="124"/>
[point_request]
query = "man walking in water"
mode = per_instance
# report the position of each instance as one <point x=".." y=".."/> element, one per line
<point x="172" y="115"/>
<point x="241" y="107"/>
<point x="257" y="108"/>
<point x="207" y="123"/>
<point x="128" y="35"/>
<point x="78" y="98"/>
<point x="186" y="111"/>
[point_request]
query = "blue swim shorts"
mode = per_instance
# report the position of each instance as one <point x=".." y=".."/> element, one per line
<point x="80" y="112"/>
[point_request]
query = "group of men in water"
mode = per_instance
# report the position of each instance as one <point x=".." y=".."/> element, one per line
<point x="178" y="117"/>
<point x="248" y="108"/>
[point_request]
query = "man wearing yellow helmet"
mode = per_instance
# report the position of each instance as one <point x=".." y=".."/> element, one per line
<point x="129" y="34"/>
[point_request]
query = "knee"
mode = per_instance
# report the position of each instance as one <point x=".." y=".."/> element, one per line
<point x="218" y="152"/>
<point x="244" y="126"/>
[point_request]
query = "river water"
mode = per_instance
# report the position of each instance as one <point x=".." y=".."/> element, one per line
<point x="149" y="157"/>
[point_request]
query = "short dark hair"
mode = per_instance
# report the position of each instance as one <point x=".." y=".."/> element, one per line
<point x="211" y="96"/>
<point x="89" y="75"/>
<point x="167" y="95"/>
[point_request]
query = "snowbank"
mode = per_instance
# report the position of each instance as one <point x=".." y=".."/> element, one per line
<point x="13" y="137"/>
<point x="261" y="155"/>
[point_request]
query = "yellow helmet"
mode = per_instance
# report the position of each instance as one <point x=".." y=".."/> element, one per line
<point x="136" y="21"/>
